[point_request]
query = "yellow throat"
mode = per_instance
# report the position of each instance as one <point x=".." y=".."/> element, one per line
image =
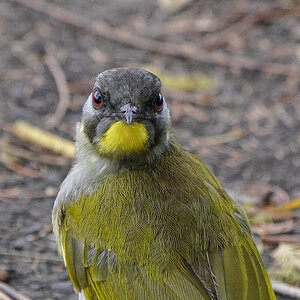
<point x="122" y="138"/>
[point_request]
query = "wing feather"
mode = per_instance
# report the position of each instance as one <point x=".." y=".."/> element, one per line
<point x="68" y="254"/>
<point x="258" y="276"/>
<point x="186" y="290"/>
<point x="232" y="273"/>
<point x="240" y="273"/>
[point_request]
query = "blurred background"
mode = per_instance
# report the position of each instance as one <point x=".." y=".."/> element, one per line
<point x="231" y="76"/>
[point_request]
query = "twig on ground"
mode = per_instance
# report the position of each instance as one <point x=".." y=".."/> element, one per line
<point x="268" y="12"/>
<point x="62" y="87"/>
<point x="286" y="289"/>
<point x="10" y="293"/>
<point x="284" y="238"/>
<point x="232" y="135"/>
<point x="21" y="170"/>
<point x="187" y="50"/>
<point x="4" y="296"/>
<point x="31" y="255"/>
<point x="45" y="139"/>
<point x="17" y="152"/>
<point x="7" y="195"/>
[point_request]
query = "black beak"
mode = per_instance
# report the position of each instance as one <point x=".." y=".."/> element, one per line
<point x="128" y="112"/>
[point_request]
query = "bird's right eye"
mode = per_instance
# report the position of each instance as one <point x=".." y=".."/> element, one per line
<point x="97" y="98"/>
<point x="159" y="102"/>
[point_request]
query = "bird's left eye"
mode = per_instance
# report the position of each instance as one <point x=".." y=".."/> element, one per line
<point x="159" y="101"/>
<point x="97" y="99"/>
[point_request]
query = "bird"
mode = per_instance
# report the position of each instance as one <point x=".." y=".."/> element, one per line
<point x="139" y="217"/>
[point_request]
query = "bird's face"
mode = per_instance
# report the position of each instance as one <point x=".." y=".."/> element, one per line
<point x="126" y="114"/>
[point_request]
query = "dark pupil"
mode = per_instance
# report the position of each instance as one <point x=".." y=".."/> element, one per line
<point x="97" y="97"/>
<point x="159" y="100"/>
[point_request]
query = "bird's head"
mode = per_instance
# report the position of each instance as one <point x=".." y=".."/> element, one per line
<point x="125" y="116"/>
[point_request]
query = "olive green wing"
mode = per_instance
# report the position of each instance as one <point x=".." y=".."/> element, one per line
<point x="233" y="273"/>
<point x="236" y="271"/>
<point x="240" y="274"/>
<point x="75" y="257"/>
<point x="96" y="272"/>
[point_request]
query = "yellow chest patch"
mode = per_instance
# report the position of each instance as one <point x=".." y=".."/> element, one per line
<point x="122" y="138"/>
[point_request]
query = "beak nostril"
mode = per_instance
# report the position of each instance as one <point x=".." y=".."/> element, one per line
<point x="128" y="112"/>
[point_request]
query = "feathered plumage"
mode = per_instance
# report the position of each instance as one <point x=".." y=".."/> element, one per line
<point x="162" y="228"/>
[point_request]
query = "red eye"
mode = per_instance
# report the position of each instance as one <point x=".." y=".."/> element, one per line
<point x="97" y="99"/>
<point x="159" y="101"/>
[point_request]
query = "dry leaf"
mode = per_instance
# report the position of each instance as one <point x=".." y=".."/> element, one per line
<point x="264" y="193"/>
<point x="291" y="205"/>
<point x="187" y="82"/>
<point x="172" y="5"/>
<point x="273" y="228"/>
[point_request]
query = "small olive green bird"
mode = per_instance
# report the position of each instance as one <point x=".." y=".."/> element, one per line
<point x="138" y="217"/>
